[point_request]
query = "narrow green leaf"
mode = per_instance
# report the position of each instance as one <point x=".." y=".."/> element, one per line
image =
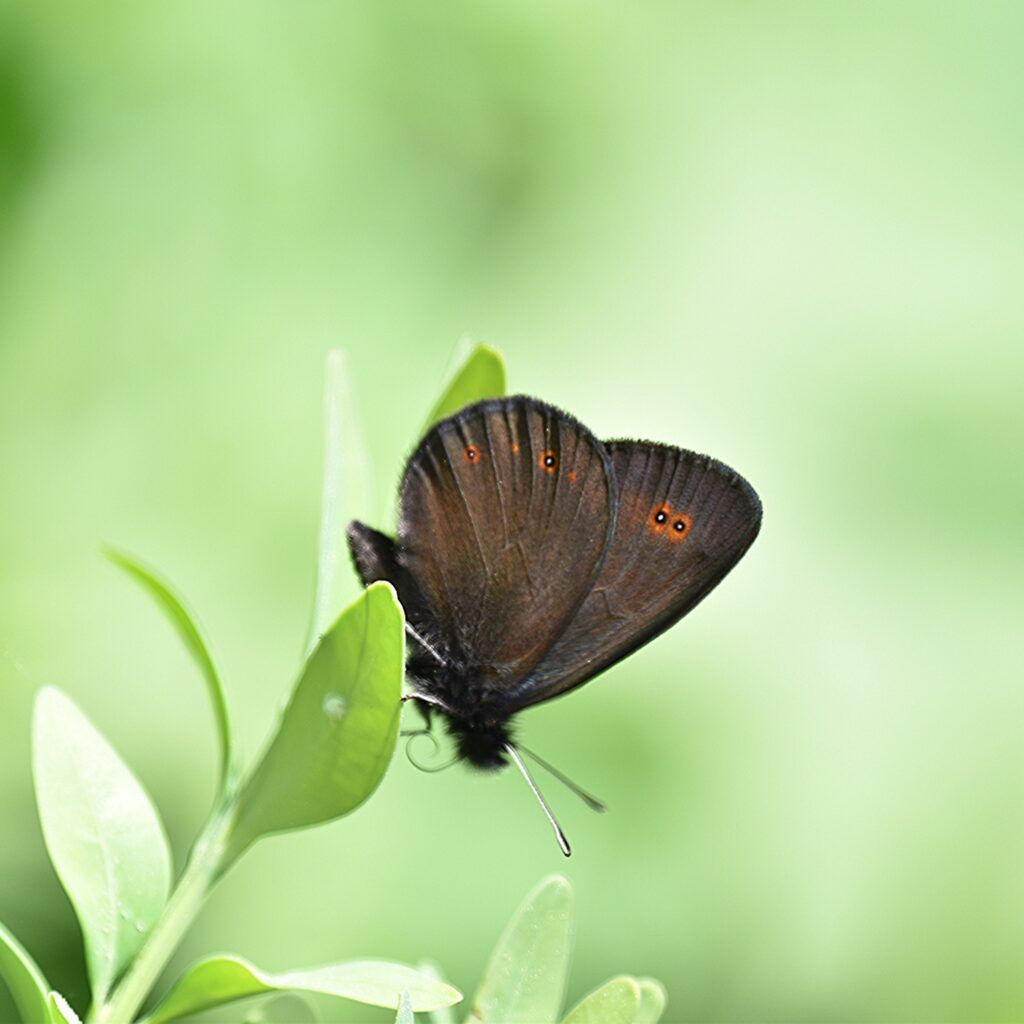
<point x="615" y="1002"/>
<point x="60" y="1011"/>
<point x="103" y="835"/>
<point x="653" y="999"/>
<point x="405" y="1014"/>
<point x="525" y="977"/>
<point x="443" y="1015"/>
<point x="26" y="982"/>
<point x="345" y="493"/>
<point x="173" y="607"/>
<point x="223" y="979"/>
<point x="338" y="732"/>
<point x="478" y="374"/>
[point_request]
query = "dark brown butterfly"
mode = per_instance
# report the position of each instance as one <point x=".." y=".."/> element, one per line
<point x="531" y="556"/>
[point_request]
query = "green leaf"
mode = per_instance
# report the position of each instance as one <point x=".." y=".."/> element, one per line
<point x="338" y="732"/>
<point x="281" y="1010"/>
<point x="615" y="1002"/>
<point x="346" y="493"/>
<point x="26" y="982"/>
<point x="478" y="374"/>
<point x="103" y="835"/>
<point x="525" y="977"/>
<point x="172" y="606"/>
<point x="223" y="979"/>
<point x="60" y="1011"/>
<point x="405" y="1014"/>
<point x="444" y="1015"/>
<point x="653" y="999"/>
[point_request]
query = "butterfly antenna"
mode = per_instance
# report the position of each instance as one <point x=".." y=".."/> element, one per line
<point x="591" y="801"/>
<point x="559" y="834"/>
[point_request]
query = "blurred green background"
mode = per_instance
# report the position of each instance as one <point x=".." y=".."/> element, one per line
<point x="787" y="234"/>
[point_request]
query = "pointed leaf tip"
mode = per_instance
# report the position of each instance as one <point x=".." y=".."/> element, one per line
<point x="526" y="975"/>
<point x="184" y="625"/>
<point x="345" y="493"/>
<point x="479" y="373"/>
<point x="653" y="1000"/>
<point x="444" y="1014"/>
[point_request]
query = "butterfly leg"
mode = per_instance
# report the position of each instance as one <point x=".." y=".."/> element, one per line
<point x="427" y="699"/>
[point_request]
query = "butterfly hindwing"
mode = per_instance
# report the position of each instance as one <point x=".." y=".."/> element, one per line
<point x="377" y="557"/>
<point x="506" y="510"/>
<point x="683" y="521"/>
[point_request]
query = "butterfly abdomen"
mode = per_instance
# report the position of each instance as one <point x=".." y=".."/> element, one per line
<point x="480" y="742"/>
<point x="474" y="707"/>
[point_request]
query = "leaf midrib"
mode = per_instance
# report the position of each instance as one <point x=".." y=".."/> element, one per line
<point x="108" y="942"/>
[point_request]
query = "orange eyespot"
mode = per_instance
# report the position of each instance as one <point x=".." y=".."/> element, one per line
<point x="572" y="476"/>
<point x="660" y="516"/>
<point x="548" y="462"/>
<point x="472" y="453"/>
<point x="515" y="449"/>
<point x="681" y="526"/>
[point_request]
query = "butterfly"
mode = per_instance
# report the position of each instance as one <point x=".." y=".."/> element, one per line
<point x="531" y="556"/>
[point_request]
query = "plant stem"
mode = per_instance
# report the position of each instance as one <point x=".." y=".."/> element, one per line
<point x="204" y="868"/>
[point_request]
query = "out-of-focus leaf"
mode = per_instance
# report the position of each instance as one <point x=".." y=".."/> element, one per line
<point x="173" y="607"/>
<point x="223" y="979"/>
<point x="405" y="1014"/>
<point x="289" y="1009"/>
<point x="615" y="1002"/>
<point x="60" y="1010"/>
<point x="338" y="732"/>
<point x="103" y="835"/>
<point x="345" y="492"/>
<point x="480" y="374"/>
<point x="525" y="977"/>
<point x="444" y="1015"/>
<point x="653" y="999"/>
<point x="23" y="977"/>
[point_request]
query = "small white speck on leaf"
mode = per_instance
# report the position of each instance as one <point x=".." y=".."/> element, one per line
<point x="335" y="707"/>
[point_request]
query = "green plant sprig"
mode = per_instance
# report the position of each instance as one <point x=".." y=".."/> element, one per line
<point x="328" y="753"/>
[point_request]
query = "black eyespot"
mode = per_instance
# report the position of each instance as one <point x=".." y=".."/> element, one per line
<point x="471" y="453"/>
<point x="549" y="461"/>
<point x="679" y="526"/>
<point x="661" y="516"/>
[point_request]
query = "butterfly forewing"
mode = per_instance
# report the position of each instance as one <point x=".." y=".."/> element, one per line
<point x="683" y="521"/>
<point x="506" y="511"/>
